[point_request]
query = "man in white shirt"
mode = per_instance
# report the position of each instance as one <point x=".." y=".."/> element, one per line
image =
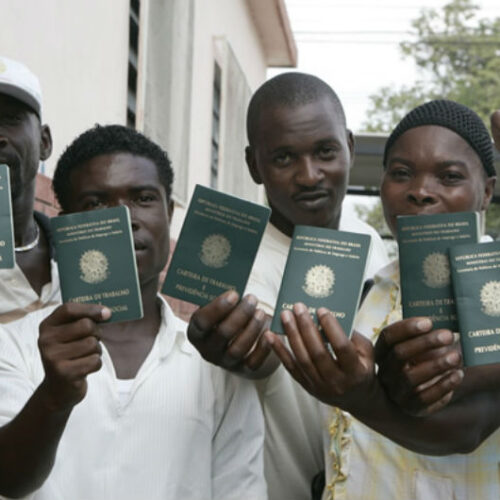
<point x="301" y="151"/>
<point x="94" y="410"/>
<point x="33" y="283"/>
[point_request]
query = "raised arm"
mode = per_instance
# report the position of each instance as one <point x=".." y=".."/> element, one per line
<point x="348" y="381"/>
<point x="69" y="350"/>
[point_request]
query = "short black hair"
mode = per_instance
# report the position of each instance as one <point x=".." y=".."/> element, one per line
<point x="454" y="116"/>
<point x="291" y="89"/>
<point x="104" y="140"/>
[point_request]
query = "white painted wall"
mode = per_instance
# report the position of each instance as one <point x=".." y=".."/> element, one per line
<point x="79" y="51"/>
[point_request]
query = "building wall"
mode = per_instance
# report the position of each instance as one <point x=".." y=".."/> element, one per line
<point x="79" y="51"/>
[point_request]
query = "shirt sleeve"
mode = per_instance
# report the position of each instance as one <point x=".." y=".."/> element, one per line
<point x="237" y="455"/>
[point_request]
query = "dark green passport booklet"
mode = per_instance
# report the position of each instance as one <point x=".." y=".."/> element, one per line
<point x="96" y="259"/>
<point x="6" y="226"/>
<point x="475" y="272"/>
<point x="424" y="241"/>
<point x="216" y="247"/>
<point x="324" y="268"/>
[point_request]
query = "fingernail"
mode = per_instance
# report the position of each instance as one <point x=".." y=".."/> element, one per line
<point x="286" y="316"/>
<point x="322" y="311"/>
<point x="445" y="337"/>
<point x="251" y="300"/>
<point x="424" y="324"/>
<point x="457" y="376"/>
<point x="259" y="315"/>
<point x="452" y="358"/>
<point x="269" y="337"/>
<point x="232" y="297"/>
<point x="105" y="313"/>
<point x="299" y="308"/>
<point x="456" y="337"/>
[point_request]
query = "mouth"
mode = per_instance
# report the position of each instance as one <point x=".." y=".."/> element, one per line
<point x="139" y="246"/>
<point x="312" y="199"/>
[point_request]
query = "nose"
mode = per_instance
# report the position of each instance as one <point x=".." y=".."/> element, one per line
<point x="309" y="173"/>
<point x="125" y="202"/>
<point x="421" y="192"/>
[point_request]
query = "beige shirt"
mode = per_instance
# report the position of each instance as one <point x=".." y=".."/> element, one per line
<point x="364" y="465"/>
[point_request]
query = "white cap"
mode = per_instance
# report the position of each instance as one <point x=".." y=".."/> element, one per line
<point x="16" y="80"/>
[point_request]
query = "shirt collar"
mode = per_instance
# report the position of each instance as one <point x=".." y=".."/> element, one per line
<point x="172" y="333"/>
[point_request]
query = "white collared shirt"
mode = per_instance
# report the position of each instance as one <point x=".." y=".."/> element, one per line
<point x="17" y="297"/>
<point x="186" y="430"/>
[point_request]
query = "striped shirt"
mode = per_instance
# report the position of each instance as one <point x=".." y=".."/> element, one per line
<point x="186" y="430"/>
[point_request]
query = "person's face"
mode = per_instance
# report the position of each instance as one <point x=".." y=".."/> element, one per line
<point x="302" y="155"/>
<point x="431" y="169"/>
<point x="124" y="179"/>
<point x="23" y="143"/>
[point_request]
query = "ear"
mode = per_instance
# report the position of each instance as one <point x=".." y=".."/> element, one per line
<point x="252" y="165"/>
<point x="45" y="142"/>
<point x="350" y="144"/>
<point x="489" y="189"/>
<point x="170" y="209"/>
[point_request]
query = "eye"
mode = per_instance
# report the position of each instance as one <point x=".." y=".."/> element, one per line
<point x="399" y="173"/>
<point x="11" y="120"/>
<point x="452" y="177"/>
<point x="92" y="204"/>
<point x="282" y="159"/>
<point x="327" y="152"/>
<point x="145" y="197"/>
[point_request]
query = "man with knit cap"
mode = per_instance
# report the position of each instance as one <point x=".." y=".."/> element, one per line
<point x="24" y="142"/>
<point x="420" y="427"/>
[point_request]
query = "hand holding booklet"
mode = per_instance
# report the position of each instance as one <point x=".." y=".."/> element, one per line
<point x="96" y="259"/>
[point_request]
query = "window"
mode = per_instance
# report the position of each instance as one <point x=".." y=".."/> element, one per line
<point x="216" y="102"/>
<point x="133" y="51"/>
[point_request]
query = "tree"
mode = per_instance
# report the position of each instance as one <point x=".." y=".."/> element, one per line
<point x="459" y="58"/>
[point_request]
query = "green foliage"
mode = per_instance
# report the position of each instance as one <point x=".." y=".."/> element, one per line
<point x="493" y="221"/>
<point x="459" y="57"/>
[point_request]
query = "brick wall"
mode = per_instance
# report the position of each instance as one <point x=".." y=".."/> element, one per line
<point x="45" y="202"/>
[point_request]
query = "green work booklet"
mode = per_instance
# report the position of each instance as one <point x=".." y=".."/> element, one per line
<point x="424" y="241"/>
<point x="6" y="226"/>
<point x="475" y="272"/>
<point x="96" y="259"/>
<point x="324" y="268"/>
<point x="216" y="247"/>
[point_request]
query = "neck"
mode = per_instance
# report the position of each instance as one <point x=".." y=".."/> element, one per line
<point x="286" y="227"/>
<point x="149" y="293"/>
<point x="24" y="223"/>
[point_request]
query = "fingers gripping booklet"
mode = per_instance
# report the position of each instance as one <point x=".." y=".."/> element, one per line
<point x="216" y="247"/>
<point x="6" y="225"/>
<point x="96" y="259"/>
<point x="324" y="268"/>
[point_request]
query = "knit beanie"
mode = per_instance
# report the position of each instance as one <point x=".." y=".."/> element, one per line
<point x="454" y="116"/>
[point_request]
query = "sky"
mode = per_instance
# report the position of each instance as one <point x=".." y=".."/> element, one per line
<point x="354" y="46"/>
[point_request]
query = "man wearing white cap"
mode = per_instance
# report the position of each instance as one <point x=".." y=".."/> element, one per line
<point x="24" y="141"/>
